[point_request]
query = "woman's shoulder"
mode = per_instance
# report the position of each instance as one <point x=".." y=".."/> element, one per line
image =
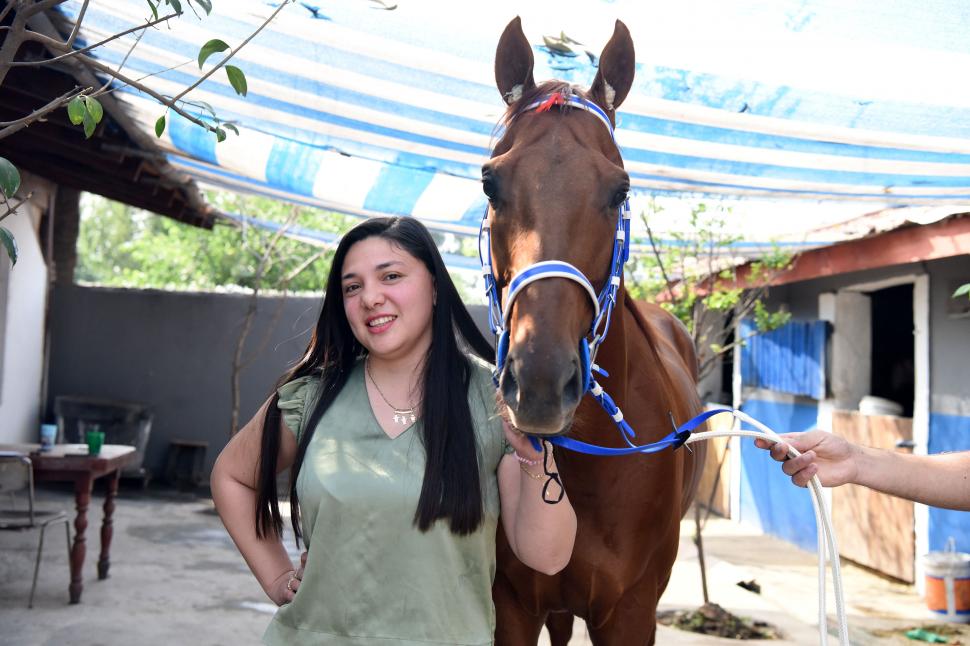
<point x="295" y="398"/>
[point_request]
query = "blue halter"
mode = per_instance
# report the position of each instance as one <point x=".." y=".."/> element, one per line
<point x="603" y="304"/>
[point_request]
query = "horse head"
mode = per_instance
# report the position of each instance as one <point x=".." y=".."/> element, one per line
<point x="555" y="185"/>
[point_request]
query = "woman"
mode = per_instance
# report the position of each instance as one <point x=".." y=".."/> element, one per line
<point x="398" y="461"/>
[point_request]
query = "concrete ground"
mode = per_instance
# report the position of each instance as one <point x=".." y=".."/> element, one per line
<point x="176" y="578"/>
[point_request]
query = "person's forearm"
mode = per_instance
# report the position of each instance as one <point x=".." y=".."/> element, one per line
<point x="545" y="533"/>
<point x="236" y="504"/>
<point x="939" y="480"/>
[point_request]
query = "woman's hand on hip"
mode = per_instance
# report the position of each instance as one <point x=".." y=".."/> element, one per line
<point x="283" y="589"/>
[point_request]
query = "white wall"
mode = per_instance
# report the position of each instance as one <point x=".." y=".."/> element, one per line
<point x="23" y="356"/>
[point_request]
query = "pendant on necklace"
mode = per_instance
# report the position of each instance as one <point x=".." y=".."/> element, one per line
<point x="402" y="417"/>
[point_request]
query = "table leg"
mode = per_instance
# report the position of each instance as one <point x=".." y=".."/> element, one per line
<point x="82" y="498"/>
<point x="107" y="524"/>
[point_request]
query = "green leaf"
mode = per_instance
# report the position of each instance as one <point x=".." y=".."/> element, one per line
<point x="160" y="126"/>
<point x="231" y="126"/>
<point x="206" y="5"/>
<point x="154" y="8"/>
<point x="210" y="48"/>
<point x="89" y="125"/>
<point x="175" y="4"/>
<point x="76" y="110"/>
<point x="220" y="135"/>
<point x="237" y="79"/>
<point x="9" y="244"/>
<point x="962" y="290"/>
<point x="94" y="107"/>
<point x="9" y="178"/>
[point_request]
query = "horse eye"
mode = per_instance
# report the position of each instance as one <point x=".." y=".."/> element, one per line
<point x="618" y="199"/>
<point x="488" y="186"/>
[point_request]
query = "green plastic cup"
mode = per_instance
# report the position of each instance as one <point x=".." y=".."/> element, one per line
<point x="95" y="440"/>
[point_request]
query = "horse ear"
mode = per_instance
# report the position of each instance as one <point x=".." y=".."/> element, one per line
<point x="617" y="66"/>
<point x="513" y="63"/>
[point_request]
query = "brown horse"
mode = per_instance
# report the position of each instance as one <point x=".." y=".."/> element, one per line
<point x="555" y="181"/>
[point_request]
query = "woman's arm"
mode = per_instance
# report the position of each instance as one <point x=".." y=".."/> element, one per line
<point x="939" y="480"/>
<point x="540" y="534"/>
<point x="233" y="484"/>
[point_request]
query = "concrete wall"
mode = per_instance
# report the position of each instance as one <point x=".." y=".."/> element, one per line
<point x="173" y="351"/>
<point x="22" y="359"/>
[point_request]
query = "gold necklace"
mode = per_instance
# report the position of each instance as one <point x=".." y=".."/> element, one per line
<point x="402" y="416"/>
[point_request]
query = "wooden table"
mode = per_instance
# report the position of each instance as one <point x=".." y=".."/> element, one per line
<point x="71" y="463"/>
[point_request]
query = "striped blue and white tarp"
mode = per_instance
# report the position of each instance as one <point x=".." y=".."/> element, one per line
<point x="368" y="111"/>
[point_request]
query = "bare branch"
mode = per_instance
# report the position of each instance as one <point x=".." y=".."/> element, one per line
<point x="121" y="66"/>
<point x="11" y="209"/>
<point x="11" y="43"/>
<point x="37" y="8"/>
<point x="656" y="254"/>
<point x="78" y="59"/>
<point x="75" y="52"/>
<point x="77" y="24"/>
<point x="10" y="5"/>
<point x="299" y="269"/>
<point x="232" y="52"/>
<point x="10" y="127"/>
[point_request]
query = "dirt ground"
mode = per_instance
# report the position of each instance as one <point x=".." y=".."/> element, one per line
<point x="176" y="578"/>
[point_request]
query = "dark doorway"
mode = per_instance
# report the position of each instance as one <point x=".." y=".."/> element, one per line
<point x="893" y="346"/>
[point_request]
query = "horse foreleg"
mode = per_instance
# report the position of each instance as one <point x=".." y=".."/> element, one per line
<point x="632" y="623"/>
<point x="514" y="625"/>
<point x="560" y="627"/>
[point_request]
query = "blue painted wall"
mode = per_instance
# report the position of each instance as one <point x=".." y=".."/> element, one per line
<point x="949" y="433"/>
<point x="769" y="500"/>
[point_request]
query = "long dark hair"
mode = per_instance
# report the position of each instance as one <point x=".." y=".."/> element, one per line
<point x="451" y="488"/>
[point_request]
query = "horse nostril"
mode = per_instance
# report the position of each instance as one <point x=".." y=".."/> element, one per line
<point x="510" y="385"/>
<point x="572" y="389"/>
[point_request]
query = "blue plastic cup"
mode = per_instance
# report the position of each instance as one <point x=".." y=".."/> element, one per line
<point x="48" y="436"/>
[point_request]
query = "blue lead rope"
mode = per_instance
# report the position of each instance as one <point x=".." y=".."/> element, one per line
<point x="674" y="440"/>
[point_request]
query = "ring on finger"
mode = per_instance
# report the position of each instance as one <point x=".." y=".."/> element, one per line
<point x="289" y="584"/>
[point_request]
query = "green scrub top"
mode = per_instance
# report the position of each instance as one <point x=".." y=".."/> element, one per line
<point x="371" y="576"/>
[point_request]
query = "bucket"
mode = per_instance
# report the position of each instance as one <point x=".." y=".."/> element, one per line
<point x="948" y="583"/>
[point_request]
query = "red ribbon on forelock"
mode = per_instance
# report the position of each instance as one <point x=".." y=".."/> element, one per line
<point x="554" y="99"/>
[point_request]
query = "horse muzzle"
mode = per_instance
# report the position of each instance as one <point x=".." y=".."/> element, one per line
<point x="541" y="391"/>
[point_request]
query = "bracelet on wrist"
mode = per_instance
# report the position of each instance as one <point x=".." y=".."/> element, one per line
<point x="523" y="460"/>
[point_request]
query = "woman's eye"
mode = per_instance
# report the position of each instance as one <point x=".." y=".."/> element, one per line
<point x="392" y="276"/>
<point x="350" y="289"/>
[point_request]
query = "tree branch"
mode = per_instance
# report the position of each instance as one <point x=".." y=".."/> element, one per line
<point x="38" y="7"/>
<point x="77" y="24"/>
<point x="10" y="127"/>
<point x="75" y="52"/>
<point x="11" y="209"/>
<point x="656" y="254"/>
<point x="78" y="59"/>
<point x="232" y="52"/>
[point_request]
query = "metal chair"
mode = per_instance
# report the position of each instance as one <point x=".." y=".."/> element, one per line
<point x="17" y="474"/>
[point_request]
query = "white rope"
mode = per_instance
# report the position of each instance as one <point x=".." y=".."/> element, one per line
<point x="823" y="519"/>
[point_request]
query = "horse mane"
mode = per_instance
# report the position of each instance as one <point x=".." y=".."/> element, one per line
<point x="552" y="86"/>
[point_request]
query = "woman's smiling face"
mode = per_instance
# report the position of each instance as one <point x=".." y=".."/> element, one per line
<point x="388" y="298"/>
